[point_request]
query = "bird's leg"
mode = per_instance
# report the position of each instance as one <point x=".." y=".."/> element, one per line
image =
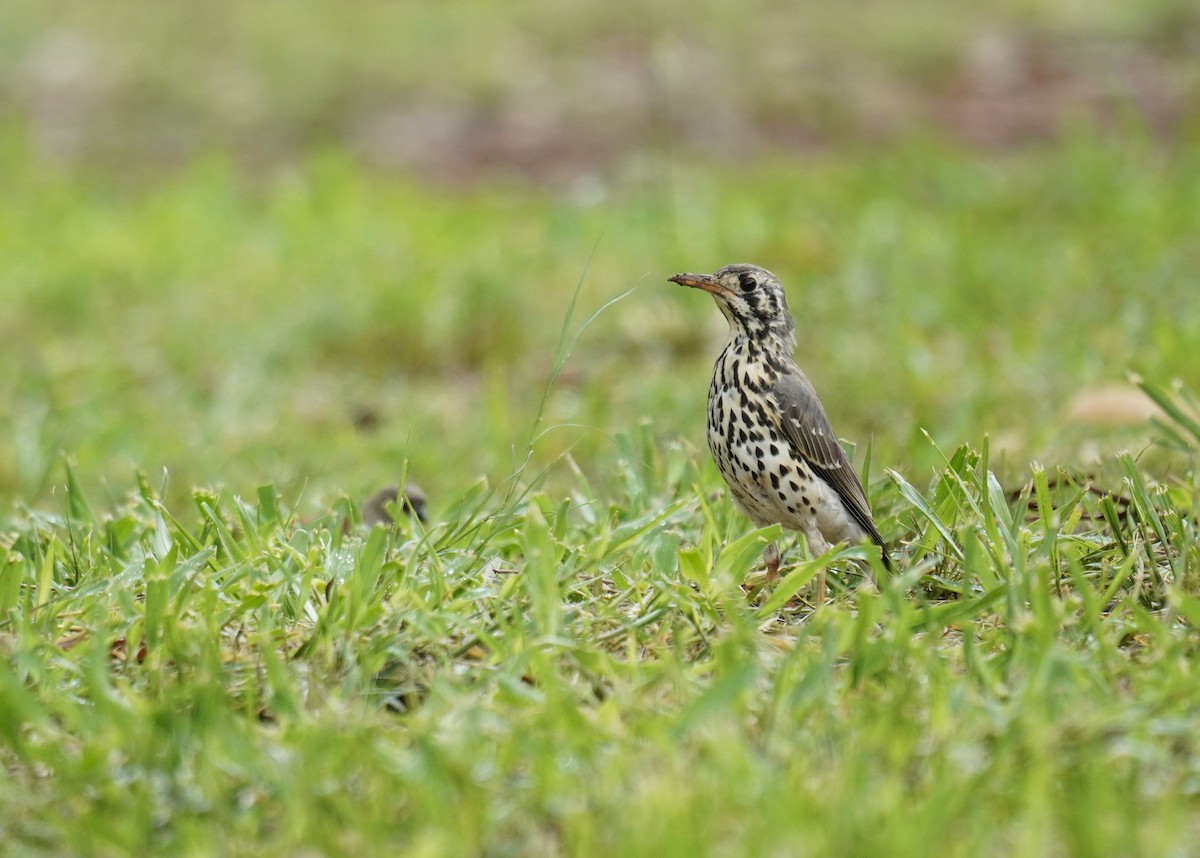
<point x="771" y="558"/>
<point x="817" y="546"/>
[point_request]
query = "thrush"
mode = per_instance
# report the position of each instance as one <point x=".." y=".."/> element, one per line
<point x="767" y="430"/>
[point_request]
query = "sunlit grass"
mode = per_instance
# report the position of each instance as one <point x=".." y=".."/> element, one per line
<point x="205" y="651"/>
<point x="586" y="675"/>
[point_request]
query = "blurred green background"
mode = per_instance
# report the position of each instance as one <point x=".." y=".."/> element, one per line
<point x="310" y="242"/>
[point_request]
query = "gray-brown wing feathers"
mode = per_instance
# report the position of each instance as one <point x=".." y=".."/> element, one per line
<point x="807" y="428"/>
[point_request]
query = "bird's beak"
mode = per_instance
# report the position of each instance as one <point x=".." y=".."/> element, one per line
<point x="706" y="282"/>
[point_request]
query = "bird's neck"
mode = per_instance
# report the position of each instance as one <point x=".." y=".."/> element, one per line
<point x="753" y="363"/>
<point x="762" y="344"/>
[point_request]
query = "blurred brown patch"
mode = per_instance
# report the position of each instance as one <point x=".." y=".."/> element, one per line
<point x="621" y="97"/>
<point x="1110" y="406"/>
<point x="1011" y="89"/>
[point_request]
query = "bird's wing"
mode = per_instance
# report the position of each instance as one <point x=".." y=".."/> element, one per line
<point x="808" y="430"/>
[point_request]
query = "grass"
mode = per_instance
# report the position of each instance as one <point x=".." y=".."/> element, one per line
<point x="586" y="675"/>
<point x="205" y="651"/>
<point x="322" y="324"/>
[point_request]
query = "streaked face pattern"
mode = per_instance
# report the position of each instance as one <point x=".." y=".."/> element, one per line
<point x="751" y="298"/>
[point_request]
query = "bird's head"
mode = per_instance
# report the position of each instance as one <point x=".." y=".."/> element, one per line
<point x="751" y="298"/>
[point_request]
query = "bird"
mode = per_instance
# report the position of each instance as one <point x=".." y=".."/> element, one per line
<point x="767" y="431"/>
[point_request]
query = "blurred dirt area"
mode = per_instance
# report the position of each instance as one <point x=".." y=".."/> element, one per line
<point x="80" y="103"/>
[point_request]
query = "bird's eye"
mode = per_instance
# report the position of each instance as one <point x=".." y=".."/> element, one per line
<point x="748" y="282"/>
